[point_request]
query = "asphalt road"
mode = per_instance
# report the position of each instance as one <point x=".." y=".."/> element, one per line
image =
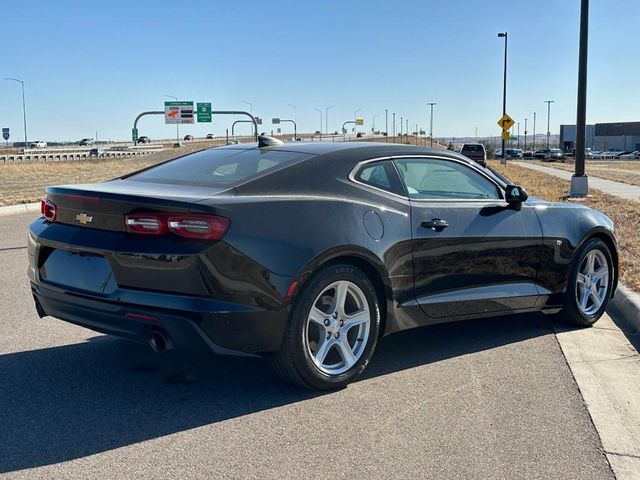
<point x="486" y="399"/>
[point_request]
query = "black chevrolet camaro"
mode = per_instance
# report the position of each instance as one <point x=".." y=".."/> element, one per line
<point x="308" y="253"/>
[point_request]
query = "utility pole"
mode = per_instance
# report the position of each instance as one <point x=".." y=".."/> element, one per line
<point x="525" y="133"/>
<point x="579" y="181"/>
<point x="431" y="104"/>
<point x="548" y="102"/>
<point x="504" y="91"/>
<point x="518" y="135"/>
<point x="401" y="122"/>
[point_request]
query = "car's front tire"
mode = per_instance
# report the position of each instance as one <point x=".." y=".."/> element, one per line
<point x="332" y="331"/>
<point x="590" y="284"/>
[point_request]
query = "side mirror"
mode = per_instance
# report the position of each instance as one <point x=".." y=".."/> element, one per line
<point x="515" y="194"/>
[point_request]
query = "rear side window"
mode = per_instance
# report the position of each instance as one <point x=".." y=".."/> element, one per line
<point x="219" y="167"/>
<point x="472" y="148"/>
<point x="381" y="175"/>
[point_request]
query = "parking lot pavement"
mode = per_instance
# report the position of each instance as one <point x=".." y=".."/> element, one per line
<point x="485" y="399"/>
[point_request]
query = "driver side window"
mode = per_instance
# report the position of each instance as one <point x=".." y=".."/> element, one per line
<point x="434" y="179"/>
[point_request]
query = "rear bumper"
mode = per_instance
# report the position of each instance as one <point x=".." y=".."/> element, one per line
<point x="215" y="328"/>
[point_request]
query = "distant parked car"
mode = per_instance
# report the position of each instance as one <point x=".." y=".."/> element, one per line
<point x="86" y="141"/>
<point x="631" y="155"/>
<point x="359" y="135"/>
<point x="188" y="137"/>
<point x="210" y="136"/>
<point x="144" y="139"/>
<point x="528" y="154"/>
<point x="476" y="152"/>
<point x="553" y="155"/>
<point x="38" y="144"/>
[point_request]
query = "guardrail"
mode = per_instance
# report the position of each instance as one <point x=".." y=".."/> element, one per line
<point x="69" y="156"/>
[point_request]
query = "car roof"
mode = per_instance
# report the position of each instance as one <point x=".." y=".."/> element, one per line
<point x="353" y="149"/>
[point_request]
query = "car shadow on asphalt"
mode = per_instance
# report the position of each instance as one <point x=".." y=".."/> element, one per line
<point x="72" y="401"/>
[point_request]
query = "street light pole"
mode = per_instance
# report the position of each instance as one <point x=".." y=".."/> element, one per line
<point x="386" y="125"/>
<point x="250" y="105"/>
<point x="401" y="139"/>
<point x="373" y="128"/>
<point x="518" y="147"/>
<point x="320" y="112"/>
<point x="504" y="90"/>
<point x="579" y="181"/>
<point x="295" y="111"/>
<point x="534" y="131"/>
<point x="355" y="126"/>
<point x="24" y="110"/>
<point x="394" y="127"/>
<point x="326" y="118"/>
<point x="431" y="104"/>
<point x="525" y="133"/>
<point x="177" y="124"/>
<point x="548" y="102"/>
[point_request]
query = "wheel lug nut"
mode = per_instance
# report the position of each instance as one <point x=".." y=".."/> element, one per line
<point x="341" y="323"/>
<point x="337" y="334"/>
<point x="326" y="322"/>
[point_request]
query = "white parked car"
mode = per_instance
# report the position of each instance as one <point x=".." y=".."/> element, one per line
<point x="632" y="155"/>
<point x="38" y="144"/>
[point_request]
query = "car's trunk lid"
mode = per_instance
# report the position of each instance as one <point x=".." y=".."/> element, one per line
<point x="104" y="205"/>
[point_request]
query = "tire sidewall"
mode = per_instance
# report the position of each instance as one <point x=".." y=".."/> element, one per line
<point x="572" y="303"/>
<point x="302" y="357"/>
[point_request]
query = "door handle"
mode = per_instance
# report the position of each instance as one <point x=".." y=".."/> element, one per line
<point x="436" y="224"/>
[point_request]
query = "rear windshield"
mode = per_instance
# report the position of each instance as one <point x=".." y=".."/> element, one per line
<point x="218" y="167"/>
<point x="472" y="148"/>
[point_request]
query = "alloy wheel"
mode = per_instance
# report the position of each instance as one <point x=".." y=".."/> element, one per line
<point x="592" y="282"/>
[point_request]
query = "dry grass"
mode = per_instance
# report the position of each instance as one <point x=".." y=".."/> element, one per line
<point x="624" y="213"/>
<point x="26" y="182"/>
<point x="619" y="171"/>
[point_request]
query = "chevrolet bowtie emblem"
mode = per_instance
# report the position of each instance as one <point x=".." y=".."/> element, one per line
<point x="83" y="218"/>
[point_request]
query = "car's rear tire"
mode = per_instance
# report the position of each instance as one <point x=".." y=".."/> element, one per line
<point x="332" y="331"/>
<point x="589" y="285"/>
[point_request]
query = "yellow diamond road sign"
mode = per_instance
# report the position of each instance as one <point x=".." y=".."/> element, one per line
<point x="506" y="122"/>
<point x="506" y="135"/>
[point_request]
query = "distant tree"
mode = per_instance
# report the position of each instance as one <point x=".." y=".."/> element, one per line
<point x="489" y="148"/>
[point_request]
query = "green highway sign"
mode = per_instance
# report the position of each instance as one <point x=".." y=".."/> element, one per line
<point x="134" y="135"/>
<point x="203" y="112"/>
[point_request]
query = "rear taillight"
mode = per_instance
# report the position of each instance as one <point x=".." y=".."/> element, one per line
<point x="190" y="225"/>
<point x="48" y="210"/>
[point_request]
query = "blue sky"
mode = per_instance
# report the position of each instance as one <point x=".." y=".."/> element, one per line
<point x="94" y="65"/>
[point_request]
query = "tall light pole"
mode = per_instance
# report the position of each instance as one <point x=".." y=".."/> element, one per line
<point x="355" y="127"/>
<point x="525" y="133"/>
<point x="476" y="134"/>
<point x="320" y="131"/>
<point x="548" y="102"/>
<point x="394" y="127"/>
<point x="24" y="110"/>
<point x="386" y="125"/>
<point x="177" y="124"/>
<point x="431" y="104"/>
<point x="534" y="131"/>
<point x="326" y="118"/>
<point x="518" y="135"/>
<point x="250" y="105"/>
<point x="295" y="112"/>
<point x="504" y="89"/>
<point x="401" y="122"/>
<point x="579" y="181"/>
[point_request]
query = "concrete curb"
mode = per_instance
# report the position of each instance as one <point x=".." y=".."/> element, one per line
<point x="626" y="308"/>
<point x="21" y="208"/>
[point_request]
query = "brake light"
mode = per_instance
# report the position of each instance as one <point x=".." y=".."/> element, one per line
<point x="48" y="210"/>
<point x="189" y="225"/>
